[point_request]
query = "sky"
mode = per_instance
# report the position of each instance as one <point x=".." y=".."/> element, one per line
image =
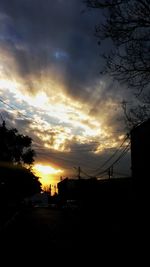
<point x="51" y="88"/>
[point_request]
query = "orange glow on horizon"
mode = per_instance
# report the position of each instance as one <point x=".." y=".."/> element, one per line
<point x="48" y="175"/>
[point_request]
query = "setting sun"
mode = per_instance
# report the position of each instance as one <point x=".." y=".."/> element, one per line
<point x="43" y="169"/>
<point x="48" y="175"/>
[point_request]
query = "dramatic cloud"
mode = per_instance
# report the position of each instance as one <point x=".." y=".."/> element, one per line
<point x="50" y="85"/>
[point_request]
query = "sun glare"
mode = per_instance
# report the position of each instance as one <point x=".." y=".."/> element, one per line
<point x="43" y="169"/>
<point x="47" y="174"/>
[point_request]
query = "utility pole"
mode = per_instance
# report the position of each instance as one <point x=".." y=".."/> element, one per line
<point x="50" y="189"/>
<point x="110" y="172"/>
<point x="79" y="172"/>
<point x="54" y="189"/>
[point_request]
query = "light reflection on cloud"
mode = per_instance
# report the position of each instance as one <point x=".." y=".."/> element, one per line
<point x="76" y="120"/>
<point x="50" y="76"/>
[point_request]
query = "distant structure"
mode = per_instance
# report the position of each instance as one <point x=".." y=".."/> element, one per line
<point x="38" y="200"/>
<point x="76" y="188"/>
<point x="114" y="192"/>
<point x="140" y="151"/>
<point x="93" y="192"/>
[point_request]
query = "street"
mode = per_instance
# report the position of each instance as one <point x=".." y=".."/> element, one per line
<point x="44" y="232"/>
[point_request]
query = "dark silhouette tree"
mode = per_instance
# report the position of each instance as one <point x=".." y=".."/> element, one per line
<point x="15" y="147"/>
<point x="19" y="182"/>
<point x="16" y="180"/>
<point x="127" y="25"/>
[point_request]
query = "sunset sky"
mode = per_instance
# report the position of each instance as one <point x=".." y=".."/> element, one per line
<point x="51" y="88"/>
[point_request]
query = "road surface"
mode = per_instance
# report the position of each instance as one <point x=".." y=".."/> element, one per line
<point x="44" y="232"/>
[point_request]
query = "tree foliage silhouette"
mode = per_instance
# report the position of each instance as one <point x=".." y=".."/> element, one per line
<point x="16" y="180"/>
<point x="14" y="147"/>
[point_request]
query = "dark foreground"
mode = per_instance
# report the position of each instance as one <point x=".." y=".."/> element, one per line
<point x="48" y="234"/>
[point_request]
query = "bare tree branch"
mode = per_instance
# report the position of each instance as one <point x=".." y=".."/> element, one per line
<point x="127" y="24"/>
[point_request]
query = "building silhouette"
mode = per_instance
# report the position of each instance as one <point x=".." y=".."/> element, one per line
<point x="115" y="193"/>
<point x="140" y="151"/>
<point x="105" y="194"/>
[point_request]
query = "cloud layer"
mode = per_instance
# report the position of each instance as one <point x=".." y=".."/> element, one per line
<point x="49" y="71"/>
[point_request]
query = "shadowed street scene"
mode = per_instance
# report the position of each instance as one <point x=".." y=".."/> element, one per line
<point x="44" y="230"/>
<point x="74" y="131"/>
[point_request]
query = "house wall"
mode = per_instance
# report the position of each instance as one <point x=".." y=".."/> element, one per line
<point x="140" y="151"/>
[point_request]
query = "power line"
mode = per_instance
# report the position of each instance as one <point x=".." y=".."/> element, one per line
<point x="114" y="154"/>
<point x="123" y="154"/>
<point x="19" y="112"/>
<point x="55" y="157"/>
<point x="86" y="174"/>
<point x="84" y="149"/>
<point x="76" y="161"/>
<point x="126" y="149"/>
